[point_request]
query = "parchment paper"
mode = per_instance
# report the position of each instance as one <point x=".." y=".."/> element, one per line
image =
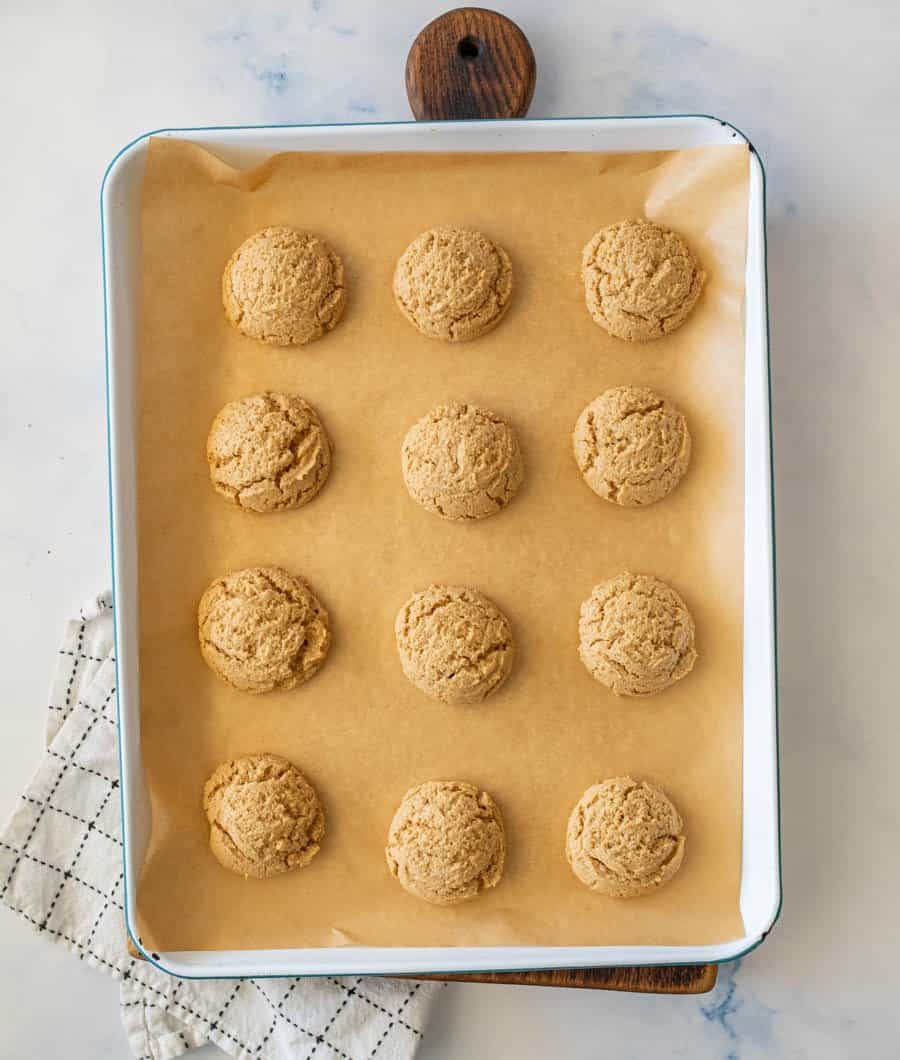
<point x="360" y="731"/>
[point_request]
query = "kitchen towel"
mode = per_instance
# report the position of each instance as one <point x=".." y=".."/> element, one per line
<point x="61" y="870"/>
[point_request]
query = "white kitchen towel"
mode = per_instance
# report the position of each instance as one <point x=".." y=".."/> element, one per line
<point x="61" y="870"/>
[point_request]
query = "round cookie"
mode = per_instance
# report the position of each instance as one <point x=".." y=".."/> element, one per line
<point x="268" y="452"/>
<point x="262" y="629"/>
<point x="453" y="283"/>
<point x="284" y="287"/>
<point x="636" y="635"/>
<point x="624" y="838"/>
<point x="640" y="280"/>
<point x="264" y="816"/>
<point x="454" y="643"/>
<point x="462" y="462"/>
<point x="446" y="842"/>
<point x="632" y="446"/>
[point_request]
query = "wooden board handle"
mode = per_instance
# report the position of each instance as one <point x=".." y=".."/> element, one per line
<point x="470" y="63"/>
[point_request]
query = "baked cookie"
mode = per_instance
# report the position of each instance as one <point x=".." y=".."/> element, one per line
<point x="446" y="842"/>
<point x="268" y="452"/>
<point x="453" y="283"/>
<point x="632" y="446"/>
<point x="454" y="644"/>
<point x="624" y="838"/>
<point x="462" y="462"/>
<point x="640" y="280"/>
<point x="262" y="629"/>
<point x="636" y="635"/>
<point x="284" y="287"/>
<point x="264" y="816"/>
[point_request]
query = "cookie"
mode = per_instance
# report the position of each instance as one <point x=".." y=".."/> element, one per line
<point x="453" y="283"/>
<point x="636" y="635"/>
<point x="262" y="629"/>
<point x="264" y="816"/>
<point x="284" y="287"/>
<point x="640" y="280"/>
<point x="268" y="452"/>
<point x="625" y="838"/>
<point x="446" y="842"/>
<point x="454" y="644"/>
<point x="462" y="462"/>
<point x="632" y="446"/>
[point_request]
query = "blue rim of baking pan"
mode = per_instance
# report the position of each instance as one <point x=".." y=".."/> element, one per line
<point x="154" y="958"/>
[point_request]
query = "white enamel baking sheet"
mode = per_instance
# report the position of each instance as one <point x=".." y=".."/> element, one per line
<point x="120" y="213"/>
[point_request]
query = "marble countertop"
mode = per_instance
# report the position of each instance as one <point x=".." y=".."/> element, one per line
<point x="814" y="85"/>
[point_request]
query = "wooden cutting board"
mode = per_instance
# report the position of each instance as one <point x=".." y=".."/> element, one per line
<point x="475" y="63"/>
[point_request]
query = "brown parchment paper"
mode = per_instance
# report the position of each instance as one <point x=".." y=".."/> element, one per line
<point x="360" y="730"/>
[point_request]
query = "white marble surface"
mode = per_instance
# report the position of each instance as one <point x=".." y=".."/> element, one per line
<point x="815" y="85"/>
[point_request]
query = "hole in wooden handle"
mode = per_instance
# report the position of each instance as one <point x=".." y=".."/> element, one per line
<point x="468" y="48"/>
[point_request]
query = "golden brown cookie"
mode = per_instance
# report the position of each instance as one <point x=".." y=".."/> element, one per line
<point x="446" y="842"/>
<point x="284" y="287"/>
<point x="264" y="816"/>
<point x="268" y="452"/>
<point x="454" y="643"/>
<point x="262" y="629"/>
<point x="453" y="283"/>
<point x="636" y="635"/>
<point x="632" y="446"/>
<point x="640" y="280"/>
<point x="462" y="462"/>
<point x="625" y="838"/>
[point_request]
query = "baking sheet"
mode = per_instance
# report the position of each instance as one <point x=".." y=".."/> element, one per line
<point x="359" y="730"/>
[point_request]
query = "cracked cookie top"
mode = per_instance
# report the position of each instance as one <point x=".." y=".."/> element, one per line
<point x="268" y="452"/>
<point x="262" y="629"/>
<point x="453" y="283"/>
<point x="264" y="816"/>
<point x="640" y="280"/>
<point x="632" y="446"/>
<point x="462" y="462"/>
<point x="454" y="643"/>
<point x="446" y="842"/>
<point x="284" y="287"/>
<point x="624" y="838"/>
<point x="636" y="635"/>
